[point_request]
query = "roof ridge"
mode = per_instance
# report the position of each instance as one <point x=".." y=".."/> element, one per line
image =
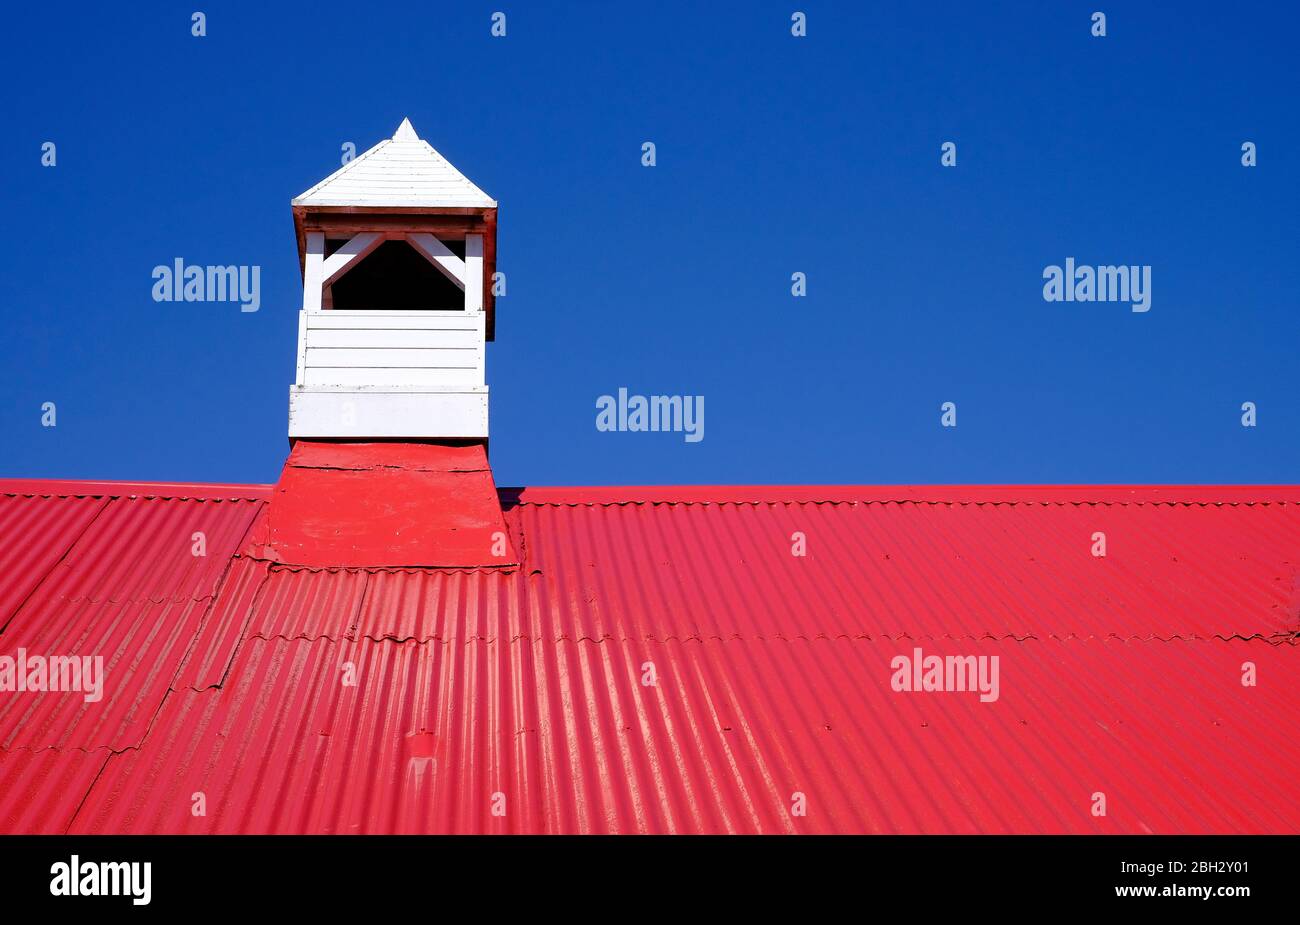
<point x="935" y="502"/>
<point x="756" y="495"/>
<point x="108" y="488"/>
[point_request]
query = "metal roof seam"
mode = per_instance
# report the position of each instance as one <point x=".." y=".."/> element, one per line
<point x="359" y="605"/>
<point x="263" y="587"/>
<point x="1277" y="640"/>
<point x="869" y="502"/>
<point x="36" y="749"/>
<point x="61" y="749"/>
<point x="277" y="566"/>
<point x="220" y="585"/>
<point x="368" y="637"/>
<point x="90" y="786"/>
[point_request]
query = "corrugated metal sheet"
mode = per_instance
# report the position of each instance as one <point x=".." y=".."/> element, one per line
<point x="148" y="549"/>
<point x="37" y="532"/>
<point x="571" y="740"/>
<point x="130" y="589"/>
<point x="915" y="569"/>
<point x="522" y="690"/>
<point x="212" y="650"/>
<point x="40" y="791"/>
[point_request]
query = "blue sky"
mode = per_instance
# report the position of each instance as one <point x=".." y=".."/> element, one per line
<point x="775" y="154"/>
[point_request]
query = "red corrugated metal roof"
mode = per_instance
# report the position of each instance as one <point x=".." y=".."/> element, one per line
<point x="128" y="588"/>
<point x="1118" y="675"/>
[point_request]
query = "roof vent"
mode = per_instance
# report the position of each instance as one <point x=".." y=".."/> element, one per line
<point x="397" y="250"/>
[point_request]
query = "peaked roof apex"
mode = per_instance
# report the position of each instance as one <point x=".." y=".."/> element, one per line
<point x="405" y="132"/>
<point x="404" y="171"/>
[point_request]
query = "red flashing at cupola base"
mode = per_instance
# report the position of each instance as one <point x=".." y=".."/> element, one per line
<point x="372" y="505"/>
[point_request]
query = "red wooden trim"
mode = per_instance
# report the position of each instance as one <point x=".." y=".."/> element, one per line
<point x="489" y="268"/>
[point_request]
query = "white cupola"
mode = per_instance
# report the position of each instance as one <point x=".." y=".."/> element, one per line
<point x="397" y="250"/>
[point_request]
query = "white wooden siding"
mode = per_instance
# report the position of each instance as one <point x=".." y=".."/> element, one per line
<point x="412" y="320"/>
<point x="393" y="349"/>
<point x="368" y="413"/>
<point x="371" y="375"/>
<point x="395" y="357"/>
<point x="393" y="337"/>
